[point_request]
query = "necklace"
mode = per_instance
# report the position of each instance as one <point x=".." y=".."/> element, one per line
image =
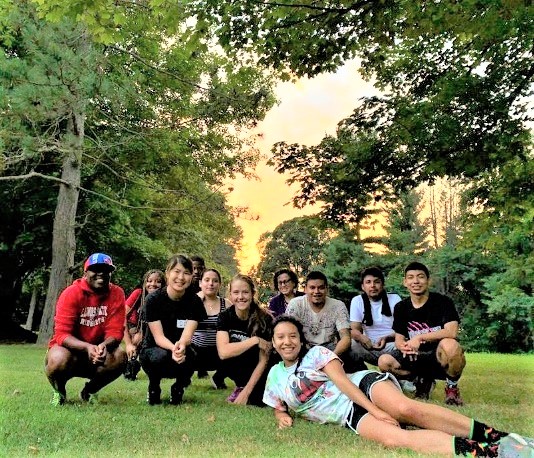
<point x="315" y="325"/>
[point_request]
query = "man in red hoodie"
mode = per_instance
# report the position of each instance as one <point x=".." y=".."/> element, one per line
<point x="89" y="326"/>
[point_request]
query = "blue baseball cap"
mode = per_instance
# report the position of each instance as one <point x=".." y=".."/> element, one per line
<point x="99" y="258"/>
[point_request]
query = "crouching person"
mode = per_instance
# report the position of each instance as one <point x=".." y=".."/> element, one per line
<point x="172" y="314"/>
<point x="88" y="329"/>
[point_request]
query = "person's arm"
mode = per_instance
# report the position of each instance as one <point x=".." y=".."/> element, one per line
<point x="178" y="353"/>
<point x="343" y="343"/>
<point x="258" y="371"/>
<point x="382" y="341"/>
<point x="131" y="349"/>
<point x="227" y="349"/>
<point x="450" y="330"/>
<point x="159" y="337"/>
<point x="283" y="419"/>
<point x="356" y="332"/>
<point x="334" y="371"/>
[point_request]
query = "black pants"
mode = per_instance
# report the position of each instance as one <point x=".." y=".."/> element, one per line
<point x="240" y="368"/>
<point x="158" y="364"/>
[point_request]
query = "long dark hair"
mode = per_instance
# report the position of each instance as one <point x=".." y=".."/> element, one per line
<point x="259" y="320"/>
<point x="386" y="309"/>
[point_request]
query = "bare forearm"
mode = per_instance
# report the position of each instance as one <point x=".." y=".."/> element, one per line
<point x="233" y="349"/>
<point x="73" y="343"/>
<point x="343" y="345"/>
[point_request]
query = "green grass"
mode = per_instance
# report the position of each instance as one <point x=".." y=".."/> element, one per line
<point x="498" y="389"/>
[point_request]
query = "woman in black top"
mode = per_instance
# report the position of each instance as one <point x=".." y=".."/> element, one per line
<point x="172" y="314"/>
<point x="244" y="342"/>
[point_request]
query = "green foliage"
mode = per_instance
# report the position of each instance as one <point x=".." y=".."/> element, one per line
<point x="163" y="130"/>
<point x="343" y="259"/>
<point x="206" y="424"/>
<point x="295" y="244"/>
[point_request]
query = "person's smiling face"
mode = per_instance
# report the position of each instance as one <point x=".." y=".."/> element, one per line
<point x="98" y="277"/>
<point x="286" y="342"/>
<point x="178" y="280"/>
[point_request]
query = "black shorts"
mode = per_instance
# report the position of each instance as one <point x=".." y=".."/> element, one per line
<point x="426" y="364"/>
<point x="357" y="412"/>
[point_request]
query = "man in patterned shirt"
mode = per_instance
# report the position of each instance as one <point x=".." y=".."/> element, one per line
<point x="325" y="320"/>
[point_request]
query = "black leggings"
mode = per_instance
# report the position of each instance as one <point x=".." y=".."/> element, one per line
<point x="158" y="363"/>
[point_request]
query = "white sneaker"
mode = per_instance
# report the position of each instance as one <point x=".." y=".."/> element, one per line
<point x="516" y="446"/>
<point x="407" y="386"/>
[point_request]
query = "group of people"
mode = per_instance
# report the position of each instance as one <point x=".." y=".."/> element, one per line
<point x="177" y="323"/>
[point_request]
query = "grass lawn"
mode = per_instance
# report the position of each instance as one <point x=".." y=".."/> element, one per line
<point x="498" y="389"/>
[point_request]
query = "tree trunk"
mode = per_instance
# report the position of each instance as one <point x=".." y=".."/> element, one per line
<point x="63" y="235"/>
<point x="31" y="311"/>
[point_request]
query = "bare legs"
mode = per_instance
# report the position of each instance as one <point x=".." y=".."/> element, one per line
<point x="62" y="364"/>
<point x="438" y="424"/>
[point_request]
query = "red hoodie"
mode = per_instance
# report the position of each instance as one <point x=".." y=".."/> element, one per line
<point x="88" y="316"/>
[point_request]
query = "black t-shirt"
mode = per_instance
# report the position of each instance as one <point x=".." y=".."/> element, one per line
<point x="432" y="316"/>
<point x="238" y="329"/>
<point x="172" y="314"/>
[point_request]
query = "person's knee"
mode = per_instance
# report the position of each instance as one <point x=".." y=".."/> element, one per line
<point x="449" y="351"/>
<point x="57" y="361"/>
<point x="408" y="410"/>
<point x="386" y="363"/>
<point x="117" y="359"/>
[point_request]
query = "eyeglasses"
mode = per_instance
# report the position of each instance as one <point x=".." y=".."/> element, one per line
<point x="284" y="282"/>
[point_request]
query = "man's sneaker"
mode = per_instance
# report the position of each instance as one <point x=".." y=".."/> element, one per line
<point x="234" y="394"/>
<point x="177" y="395"/>
<point x="153" y="397"/>
<point x="58" y="399"/>
<point x="424" y="387"/>
<point x="515" y="446"/>
<point x="217" y="383"/>
<point x="407" y="386"/>
<point x="86" y="396"/>
<point x="452" y="396"/>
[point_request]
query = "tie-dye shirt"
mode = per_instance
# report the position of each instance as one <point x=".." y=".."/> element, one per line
<point x="307" y="390"/>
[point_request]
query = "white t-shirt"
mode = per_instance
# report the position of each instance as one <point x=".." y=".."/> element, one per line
<point x="320" y="328"/>
<point x="382" y="325"/>
<point x="308" y="391"/>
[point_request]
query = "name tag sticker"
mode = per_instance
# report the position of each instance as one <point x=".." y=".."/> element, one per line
<point x="181" y="323"/>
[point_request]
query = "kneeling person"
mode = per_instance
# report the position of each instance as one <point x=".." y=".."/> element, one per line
<point x="426" y="328"/>
<point x="89" y="323"/>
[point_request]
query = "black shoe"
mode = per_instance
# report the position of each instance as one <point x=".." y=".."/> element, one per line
<point x="85" y="396"/>
<point x="177" y="394"/>
<point x="153" y="397"/>
<point x="132" y="369"/>
<point x="218" y="383"/>
<point x="424" y="387"/>
<point x="202" y="374"/>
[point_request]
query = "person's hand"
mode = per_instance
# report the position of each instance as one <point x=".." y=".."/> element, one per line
<point x="414" y="343"/>
<point x="131" y="350"/>
<point x="285" y="422"/>
<point x="408" y="351"/>
<point x="383" y="416"/>
<point x="137" y="337"/>
<point x="178" y="352"/>
<point x="366" y="342"/>
<point x="381" y="343"/>
<point x="97" y="354"/>
<point x="264" y="345"/>
<point x="242" y="398"/>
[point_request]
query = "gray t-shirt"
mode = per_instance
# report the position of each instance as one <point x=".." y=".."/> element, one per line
<point x="320" y="328"/>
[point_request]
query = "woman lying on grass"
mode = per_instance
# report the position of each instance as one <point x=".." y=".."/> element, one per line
<point x="313" y="384"/>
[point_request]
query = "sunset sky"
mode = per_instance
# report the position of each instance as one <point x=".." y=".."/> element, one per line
<point x="308" y="109"/>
